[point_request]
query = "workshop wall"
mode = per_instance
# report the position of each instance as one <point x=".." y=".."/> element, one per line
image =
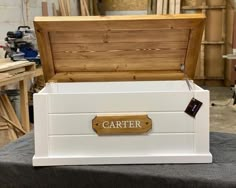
<point x="22" y="12"/>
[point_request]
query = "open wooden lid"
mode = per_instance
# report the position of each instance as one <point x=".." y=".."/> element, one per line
<point x="118" y="48"/>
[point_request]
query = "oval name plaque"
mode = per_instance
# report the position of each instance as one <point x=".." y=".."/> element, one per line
<point x="120" y="125"/>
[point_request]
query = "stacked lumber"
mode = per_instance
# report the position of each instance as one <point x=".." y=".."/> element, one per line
<point x="164" y="7"/>
<point x="64" y="7"/>
<point x="8" y="119"/>
<point x="85" y="8"/>
<point x="91" y="7"/>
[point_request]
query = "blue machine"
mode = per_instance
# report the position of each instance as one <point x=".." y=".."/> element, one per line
<point x="21" y="44"/>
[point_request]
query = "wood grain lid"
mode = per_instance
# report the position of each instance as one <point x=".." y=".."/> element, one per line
<point x="119" y="48"/>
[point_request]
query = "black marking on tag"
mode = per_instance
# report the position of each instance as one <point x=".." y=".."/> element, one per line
<point x="193" y="107"/>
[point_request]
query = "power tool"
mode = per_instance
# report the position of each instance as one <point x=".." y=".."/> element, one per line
<point x="21" y="44"/>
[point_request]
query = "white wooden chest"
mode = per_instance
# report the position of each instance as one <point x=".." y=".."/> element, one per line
<point x="141" y="119"/>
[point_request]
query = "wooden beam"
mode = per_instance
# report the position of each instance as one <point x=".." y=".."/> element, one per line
<point x="24" y="106"/>
<point x="177" y="6"/>
<point x="171" y="6"/>
<point x="44" y="9"/>
<point x="62" y="7"/>
<point x="159" y="7"/>
<point x="13" y="124"/>
<point x="165" y="7"/>
<point x="82" y="9"/>
<point x="203" y="7"/>
<point x="11" y="132"/>
<point x="85" y="7"/>
<point x="54" y="10"/>
<point x="118" y="76"/>
<point x="10" y="111"/>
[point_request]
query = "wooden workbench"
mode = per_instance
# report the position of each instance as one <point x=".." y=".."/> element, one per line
<point x="16" y="72"/>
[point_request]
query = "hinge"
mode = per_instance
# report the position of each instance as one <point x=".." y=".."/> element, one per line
<point x="182" y="67"/>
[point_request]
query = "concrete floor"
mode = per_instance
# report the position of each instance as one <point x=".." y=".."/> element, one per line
<point x="222" y="117"/>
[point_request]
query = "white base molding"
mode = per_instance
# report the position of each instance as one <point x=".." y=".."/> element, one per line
<point x="139" y="159"/>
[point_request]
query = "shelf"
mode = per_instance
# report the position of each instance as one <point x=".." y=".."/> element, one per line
<point x="203" y="7"/>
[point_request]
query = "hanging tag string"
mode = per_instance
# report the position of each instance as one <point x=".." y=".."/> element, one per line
<point x="182" y="68"/>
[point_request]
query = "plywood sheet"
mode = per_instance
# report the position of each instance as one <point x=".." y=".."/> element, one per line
<point x="118" y="5"/>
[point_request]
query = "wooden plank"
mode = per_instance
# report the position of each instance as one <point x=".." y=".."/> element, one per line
<point x="171" y="35"/>
<point x="199" y="73"/>
<point x="230" y="42"/>
<point x="67" y="7"/>
<point x="10" y="111"/>
<point x="91" y="10"/>
<point x="85" y="5"/>
<point x="118" y="65"/>
<point x="213" y="42"/>
<point x="165" y="6"/>
<point x="149" y="7"/>
<point x="15" y="126"/>
<point x="2" y="123"/>
<point x="171" y="6"/>
<point x="11" y="132"/>
<point x="16" y="78"/>
<point x="129" y="54"/>
<point x="164" y="121"/>
<point x="24" y="105"/>
<point x="119" y="5"/>
<point x="200" y="69"/>
<point x="215" y="2"/>
<point x="44" y="9"/>
<point x="193" y="50"/>
<point x="203" y="7"/>
<point x="45" y="53"/>
<point x="159" y="7"/>
<point x="214" y="62"/>
<point x="95" y="23"/>
<point x="4" y="76"/>
<point x="179" y="143"/>
<point x="154" y="6"/>
<point x="90" y="47"/>
<point x="214" y="24"/>
<point x="9" y="65"/>
<point x="82" y="9"/>
<point x="16" y="71"/>
<point x="54" y="10"/>
<point x="120" y="56"/>
<point x="3" y="128"/>
<point x="61" y="8"/>
<point x="177" y="6"/>
<point x="117" y="76"/>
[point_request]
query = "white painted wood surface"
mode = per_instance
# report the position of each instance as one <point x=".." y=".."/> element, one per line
<point x="41" y="125"/>
<point x="130" y="145"/>
<point x="137" y="159"/>
<point x="119" y="102"/>
<point x="162" y="122"/>
<point x="64" y="113"/>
